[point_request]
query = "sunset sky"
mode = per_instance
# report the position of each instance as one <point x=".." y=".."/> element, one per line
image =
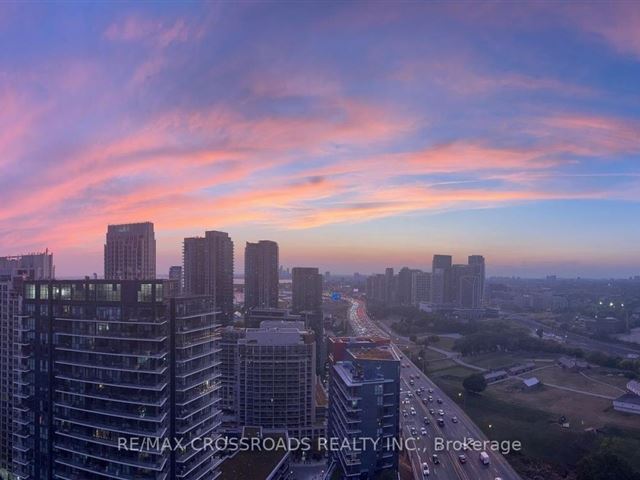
<point x="356" y="135"/>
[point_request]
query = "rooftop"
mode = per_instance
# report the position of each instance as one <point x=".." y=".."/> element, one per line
<point x="253" y="463"/>
<point x="629" y="398"/>
<point x="372" y="354"/>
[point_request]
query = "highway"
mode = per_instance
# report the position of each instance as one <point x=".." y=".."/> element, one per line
<point x="448" y="465"/>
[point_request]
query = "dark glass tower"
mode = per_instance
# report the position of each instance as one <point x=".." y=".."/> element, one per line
<point x="261" y="275"/>
<point x="100" y="361"/>
<point x="208" y="269"/>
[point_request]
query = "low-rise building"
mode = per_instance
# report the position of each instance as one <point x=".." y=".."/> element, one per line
<point x="628" y="403"/>
<point x="496" y="376"/>
<point x="522" y="368"/>
<point x="574" y="364"/>
<point x="531" y="382"/>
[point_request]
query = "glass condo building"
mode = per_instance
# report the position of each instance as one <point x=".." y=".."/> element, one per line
<point x="100" y="364"/>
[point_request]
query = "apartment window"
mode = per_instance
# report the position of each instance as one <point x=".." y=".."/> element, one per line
<point x="159" y="292"/>
<point x="108" y="292"/>
<point x="102" y="327"/>
<point x="379" y="389"/>
<point x="108" y="313"/>
<point x="65" y="292"/>
<point x="30" y="291"/>
<point x="44" y="292"/>
<point x="77" y="291"/>
<point x="145" y="293"/>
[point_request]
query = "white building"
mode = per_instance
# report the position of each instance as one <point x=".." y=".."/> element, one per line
<point x="628" y="403"/>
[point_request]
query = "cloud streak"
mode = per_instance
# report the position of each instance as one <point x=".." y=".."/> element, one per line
<point x="182" y="118"/>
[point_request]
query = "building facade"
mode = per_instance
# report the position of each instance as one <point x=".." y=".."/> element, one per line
<point x="175" y="280"/>
<point x="261" y="281"/>
<point x="441" y="280"/>
<point x="364" y="402"/>
<point x="208" y="269"/>
<point x="130" y="252"/>
<point x="276" y="380"/>
<point x="100" y="362"/>
<point x="14" y="271"/>
<point x="306" y="290"/>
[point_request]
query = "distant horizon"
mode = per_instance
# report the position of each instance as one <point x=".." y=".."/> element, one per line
<point x="527" y="270"/>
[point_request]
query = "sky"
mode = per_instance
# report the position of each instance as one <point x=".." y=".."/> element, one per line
<point x="356" y="135"/>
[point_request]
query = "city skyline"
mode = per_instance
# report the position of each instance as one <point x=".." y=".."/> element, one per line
<point x="354" y="138"/>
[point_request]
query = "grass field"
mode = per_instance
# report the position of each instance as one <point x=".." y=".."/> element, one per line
<point x="564" y="378"/>
<point x="445" y="343"/>
<point x="452" y="371"/>
<point x="493" y="361"/>
<point x="506" y="411"/>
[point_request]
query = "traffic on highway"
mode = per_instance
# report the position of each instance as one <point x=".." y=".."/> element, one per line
<point x="448" y="444"/>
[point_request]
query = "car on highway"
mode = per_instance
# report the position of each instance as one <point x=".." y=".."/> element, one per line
<point x="430" y="390"/>
<point x="454" y="419"/>
<point x="430" y="398"/>
<point x="432" y="411"/>
<point x="462" y="458"/>
<point x="426" y="420"/>
<point x="441" y="412"/>
<point x="423" y="432"/>
<point x="441" y="422"/>
<point x="484" y="458"/>
<point x="439" y="401"/>
<point x="435" y="459"/>
<point x="425" y="470"/>
<point x="413" y="411"/>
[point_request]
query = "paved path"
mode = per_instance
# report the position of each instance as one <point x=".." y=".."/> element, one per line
<point x="456" y="358"/>
<point x="575" y="390"/>
<point x="602" y="383"/>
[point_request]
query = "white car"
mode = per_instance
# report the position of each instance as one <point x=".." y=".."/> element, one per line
<point x="425" y="470"/>
<point x="454" y="419"/>
<point x="423" y="432"/>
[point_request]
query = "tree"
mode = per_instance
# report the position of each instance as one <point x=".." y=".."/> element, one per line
<point x="605" y="466"/>
<point x="474" y="383"/>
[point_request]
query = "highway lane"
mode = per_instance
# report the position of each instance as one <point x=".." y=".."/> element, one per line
<point x="449" y="466"/>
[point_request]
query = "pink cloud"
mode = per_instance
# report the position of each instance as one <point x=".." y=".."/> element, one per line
<point x="149" y="30"/>
<point x="618" y="24"/>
